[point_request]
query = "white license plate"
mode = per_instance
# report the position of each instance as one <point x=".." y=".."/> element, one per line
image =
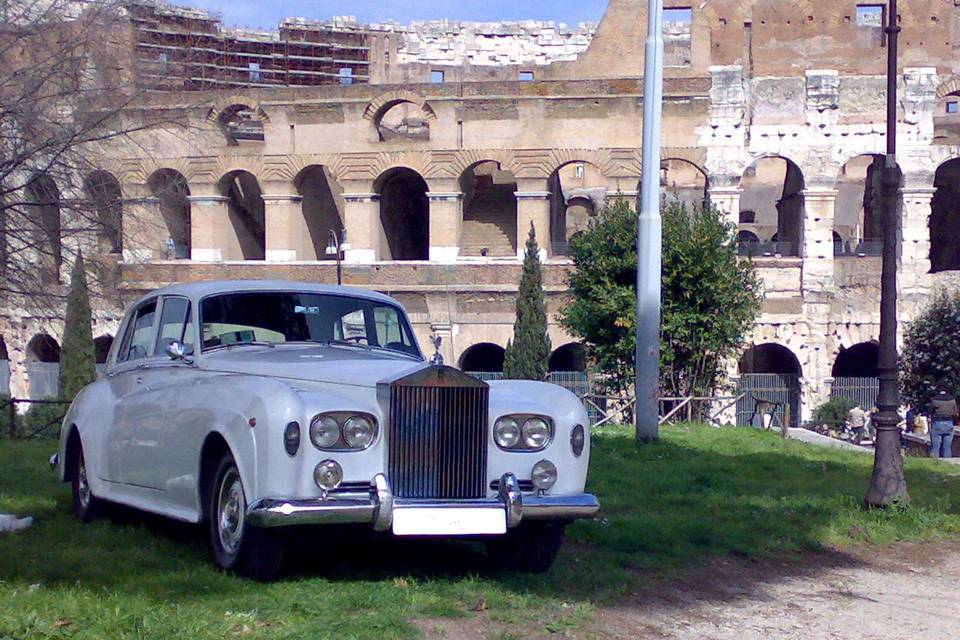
<point x="432" y="521"/>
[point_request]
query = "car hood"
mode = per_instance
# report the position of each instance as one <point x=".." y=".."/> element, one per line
<point x="314" y="363"/>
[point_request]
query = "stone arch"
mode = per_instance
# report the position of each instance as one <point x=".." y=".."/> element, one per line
<point x="382" y="103"/>
<point x="172" y="192"/>
<point x="404" y="214"/>
<point x="101" y="348"/>
<point x="489" y="210"/>
<point x="948" y="87"/>
<point x="578" y="188"/>
<point x="43" y="366"/>
<point x="106" y="200"/>
<point x="569" y="357"/>
<point x="43" y="205"/>
<point x="684" y="179"/>
<point x="769" y="371"/>
<point x="945" y="218"/>
<point x="226" y="102"/>
<point x="241" y="124"/>
<point x="772" y="186"/>
<point x="859" y="361"/>
<point x="247" y="217"/>
<point x="322" y="210"/>
<point x="857" y="213"/>
<point x="484" y="357"/>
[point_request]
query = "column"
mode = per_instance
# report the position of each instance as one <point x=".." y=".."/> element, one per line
<point x="361" y="219"/>
<point x="817" y="243"/>
<point x="144" y="232"/>
<point x="288" y="238"/>
<point x="446" y="222"/>
<point x="533" y="207"/>
<point x="211" y="233"/>
<point x="915" y="232"/>
<point x="727" y="200"/>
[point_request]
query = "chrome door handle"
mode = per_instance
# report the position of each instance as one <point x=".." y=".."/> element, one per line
<point x="139" y="379"/>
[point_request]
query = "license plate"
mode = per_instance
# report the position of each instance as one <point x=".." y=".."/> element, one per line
<point x="431" y="521"/>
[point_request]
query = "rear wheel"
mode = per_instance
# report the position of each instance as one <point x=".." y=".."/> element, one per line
<point x="86" y="506"/>
<point x="237" y="546"/>
<point x="532" y="547"/>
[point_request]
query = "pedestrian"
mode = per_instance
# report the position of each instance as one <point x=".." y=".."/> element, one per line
<point x="856" y="422"/>
<point x="943" y="411"/>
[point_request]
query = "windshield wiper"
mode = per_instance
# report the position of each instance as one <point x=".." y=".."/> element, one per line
<point x="255" y="343"/>
<point x="355" y="345"/>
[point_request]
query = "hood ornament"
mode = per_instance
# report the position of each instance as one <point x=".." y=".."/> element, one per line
<point x="437" y="359"/>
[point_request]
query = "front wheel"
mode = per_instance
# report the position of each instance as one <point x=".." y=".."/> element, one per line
<point x="86" y="506"/>
<point x="248" y="551"/>
<point x="532" y="547"/>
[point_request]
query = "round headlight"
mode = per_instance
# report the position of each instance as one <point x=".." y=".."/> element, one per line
<point x="328" y="475"/>
<point x="291" y="438"/>
<point x="506" y="433"/>
<point x="536" y="433"/>
<point x="577" y="439"/>
<point x="358" y="432"/>
<point x="324" y="432"/>
<point x="544" y="475"/>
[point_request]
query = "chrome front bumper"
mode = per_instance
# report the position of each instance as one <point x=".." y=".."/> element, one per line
<point x="378" y="507"/>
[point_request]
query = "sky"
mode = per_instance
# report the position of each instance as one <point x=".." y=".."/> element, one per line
<point x="267" y="13"/>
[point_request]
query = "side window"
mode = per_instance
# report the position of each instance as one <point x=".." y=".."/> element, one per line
<point x="139" y="334"/>
<point x="174" y="324"/>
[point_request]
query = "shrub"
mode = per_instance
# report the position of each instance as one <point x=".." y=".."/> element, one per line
<point x="833" y="412"/>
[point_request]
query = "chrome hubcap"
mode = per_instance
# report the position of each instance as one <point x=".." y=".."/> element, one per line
<point x="231" y="507"/>
<point x="83" y="488"/>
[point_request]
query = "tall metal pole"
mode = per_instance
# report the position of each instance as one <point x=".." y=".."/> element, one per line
<point x="650" y="234"/>
<point x="888" y="486"/>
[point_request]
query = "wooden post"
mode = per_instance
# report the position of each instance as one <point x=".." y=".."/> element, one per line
<point x="785" y="427"/>
<point x="12" y="408"/>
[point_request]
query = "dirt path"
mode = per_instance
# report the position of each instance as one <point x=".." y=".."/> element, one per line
<point x="902" y="591"/>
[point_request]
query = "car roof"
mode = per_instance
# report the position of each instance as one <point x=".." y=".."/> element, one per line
<point x="197" y="290"/>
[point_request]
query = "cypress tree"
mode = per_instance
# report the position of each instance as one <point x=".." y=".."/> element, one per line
<point x="77" y="357"/>
<point x="528" y="353"/>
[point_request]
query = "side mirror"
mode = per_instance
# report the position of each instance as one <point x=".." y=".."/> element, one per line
<point x="176" y="350"/>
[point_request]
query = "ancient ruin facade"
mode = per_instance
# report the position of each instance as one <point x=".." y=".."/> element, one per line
<point x="774" y="110"/>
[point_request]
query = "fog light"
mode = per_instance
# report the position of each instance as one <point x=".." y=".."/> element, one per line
<point x="506" y="433"/>
<point x="324" y="432"/>
<point x="291" y="438"/>
<point x="577" y="439"/>
<point x="544" y="475"/>
<point x="328" y="475"/>
<point x="536" y="433"/>
<point x="358" y="432"/>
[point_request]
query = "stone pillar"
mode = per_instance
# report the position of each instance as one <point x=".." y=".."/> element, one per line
<point x="817" y="243"/>
<point x="211" y="231"/>
<point x="915" y="253"/>
<point x="144" y="233"/>
<point x="533" y="206"/>
<point x="446" y="223"/>
<point x="361" y="219"/>
<point x="727" y="200"/>
<point x="288" y="238"/>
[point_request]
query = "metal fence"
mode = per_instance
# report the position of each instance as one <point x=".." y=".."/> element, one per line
<point x="767" y="249"/>
<point x="768" y="393"/>
<point x="863" y="391"/>
<point x="4" y="377"/>
<point x="44" y="381"/>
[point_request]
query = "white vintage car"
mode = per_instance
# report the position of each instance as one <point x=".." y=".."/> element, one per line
<point x="258" y="405"/>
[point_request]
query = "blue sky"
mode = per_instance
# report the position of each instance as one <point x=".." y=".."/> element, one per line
<point x="266" y="13"/>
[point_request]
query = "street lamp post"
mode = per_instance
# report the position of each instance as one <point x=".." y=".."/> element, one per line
<point x="650" y="235"/>
<point x="337" y="245"/>
<point x="888" y="485"/>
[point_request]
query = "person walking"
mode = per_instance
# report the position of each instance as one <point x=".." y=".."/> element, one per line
<point x="943" y="411"/>
<point x="856" y="422"/>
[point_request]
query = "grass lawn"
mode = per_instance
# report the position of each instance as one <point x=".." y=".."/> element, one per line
<point x="696" y="494"/>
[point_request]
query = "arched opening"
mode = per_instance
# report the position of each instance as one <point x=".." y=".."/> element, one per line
<point x="44" y="205"/>
<point x="241" y="124"/>
<point x="322" y="212"/>
<point x="855" y="374"/>
<point x="247" y="217"/>
<point x="747" y="243"/>
<point x="4" y="369"/>
<point x="43" y="366"/>
<point x="106" y="199"/>
<point x="683" y="180"/>
<point x="856" y="218"/>
<point x="569" y="357"/>
<point x="483" y="358"/>
<point x="945" y="219"/>
<point x="170" y="189"/>
<point x="946" y="120"/>
<point x="101" y="351"/>
<point x="577" y="190"/>
<point x="404" y="215"/>
<point x="772" y="188"/>
<point x="489" y="211"/>
<point x="770" y="381"/>
<point x="403" y="121"/>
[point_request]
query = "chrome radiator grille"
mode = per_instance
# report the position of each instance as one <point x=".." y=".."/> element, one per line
<point x="437" y="441"/>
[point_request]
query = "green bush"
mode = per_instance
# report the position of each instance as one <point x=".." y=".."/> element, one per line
<point x="4" y="416"/>
<point x="43" y="420"/>
<point x="833" y="413"/>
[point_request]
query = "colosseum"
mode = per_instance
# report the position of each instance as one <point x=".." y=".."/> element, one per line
<point x="432" y="148"/>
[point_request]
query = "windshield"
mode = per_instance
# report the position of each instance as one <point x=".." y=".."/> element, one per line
<point x="276" y="317"/>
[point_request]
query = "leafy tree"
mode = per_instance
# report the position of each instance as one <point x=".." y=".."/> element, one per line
<point x="711" y="298"/>
<point x="78" y="357"/>
<point x="528" y="353"/>
<point x="931" y="350"/>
